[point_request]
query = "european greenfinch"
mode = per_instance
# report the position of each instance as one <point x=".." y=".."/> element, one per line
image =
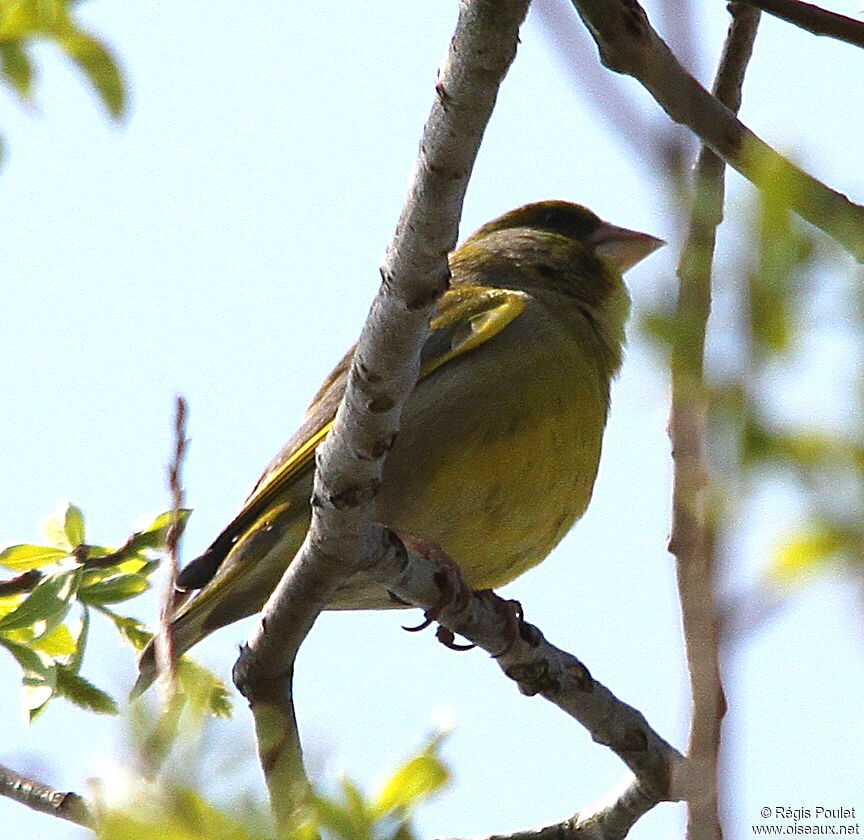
<point x="500" y="439"/>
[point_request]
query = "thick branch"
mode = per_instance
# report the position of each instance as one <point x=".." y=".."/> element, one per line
<point x="58" y="803"/>
<point x="692" y="539"/>
<point x="628" y="44"/>
<point x="342" y="537"/>
<point x="814" y="19"/>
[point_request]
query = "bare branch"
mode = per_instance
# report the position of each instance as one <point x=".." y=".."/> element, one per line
<point x="814" y="19"/>
<point x="692" y="538"/>
<point x="610" y="818"/>
<point x="58" y="803"/>
<point x="538" y="667"/>
<point x="25" y="582"/>
<point x="342" y="537"/>
<point x="166" y="658"/>
<point x="629" y="44"/>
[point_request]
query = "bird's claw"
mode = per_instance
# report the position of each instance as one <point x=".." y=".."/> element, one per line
<point x="454" y="591"/>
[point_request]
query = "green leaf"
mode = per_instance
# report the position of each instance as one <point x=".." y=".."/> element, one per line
<point x="33" y="661"/>
<point x="73" y="525"/>
<point x="132" y="630"/>
<point x="39" y="676"/>
<point x="98" y="64"/>
<point x="21" y="558"/>
<point x="46" y="606"/>
<point x="155" y="534"/>
<point x="53" y="526"/>
<point x="114" y="589"/>
<point x="83" y="693"/>
<point x="17" y="68"/>
<point x="414" y="781"/>
<point x="356" y="805"/>
<point x="170" y="814"/>
<point x="74" y="664"/>
<point x="341" y="821"/>
<point x="205" y="692"/>
<point x="808" y="550"/>
<point x="23" y="19"/>
<point x="60" y="642"/>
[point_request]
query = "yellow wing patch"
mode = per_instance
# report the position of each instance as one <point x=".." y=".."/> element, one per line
<point x="479" y="313"/>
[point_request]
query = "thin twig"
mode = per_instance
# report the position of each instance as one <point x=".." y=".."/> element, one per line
<point x="629" y="44"/>
<point x="814" y="19"/>
<point x="610" y="818"/>
<point x="25" y="582"/>
<point x="692" y="538"/>
<point x="165" y="655"/>
<point x="47" y="800"/>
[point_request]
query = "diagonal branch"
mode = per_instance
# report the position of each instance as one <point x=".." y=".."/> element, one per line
<point x="629" y="44"/>
<point x="692" y="539"/>
<point x="610" y="818"/>
<point x="814" y="19"/>
<point x="540" y="668"/>
<point x="58" y="803"/>
<point x="342" y="537"/>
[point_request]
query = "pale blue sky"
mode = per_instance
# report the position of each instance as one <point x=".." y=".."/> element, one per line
<point x="224" y="243"/>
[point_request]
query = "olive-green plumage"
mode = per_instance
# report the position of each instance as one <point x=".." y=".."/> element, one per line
<point x="500" y="440"/>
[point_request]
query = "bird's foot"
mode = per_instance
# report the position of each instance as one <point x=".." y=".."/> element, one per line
<point x="450" y="583"/>
<point x="513" y="614"/>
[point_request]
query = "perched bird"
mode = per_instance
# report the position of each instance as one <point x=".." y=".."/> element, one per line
<point x="499" y="442"/>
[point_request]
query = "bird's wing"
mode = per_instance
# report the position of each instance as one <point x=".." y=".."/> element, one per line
<point x="467" y="316"/>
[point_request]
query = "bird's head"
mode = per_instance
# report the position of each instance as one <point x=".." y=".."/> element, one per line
<point x="559" y="248"/>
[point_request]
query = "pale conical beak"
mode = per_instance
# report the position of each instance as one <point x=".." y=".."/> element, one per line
<point x="623" y="248"/>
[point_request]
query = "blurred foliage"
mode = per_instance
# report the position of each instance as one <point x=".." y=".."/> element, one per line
<point x="777" y="282"/>
<point x="45" y="609"/>
<point x="25" y="22"/>
<point x="140" y="806"/>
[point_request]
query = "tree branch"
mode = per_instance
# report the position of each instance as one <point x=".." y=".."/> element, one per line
<point x="629" y="44"/>
<point x="342" y="537"/>
<point x="166" y="658"/>
<point x="814" y="19"/>
<point x="538" y="667"/>
<point x="58" y="803"/>
<point x="692" y="540"/>
<point x="610" y="818"/>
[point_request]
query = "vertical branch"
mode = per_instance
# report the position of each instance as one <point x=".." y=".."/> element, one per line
<point x="692" y="540"/>
<point x="165" y="655"/>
